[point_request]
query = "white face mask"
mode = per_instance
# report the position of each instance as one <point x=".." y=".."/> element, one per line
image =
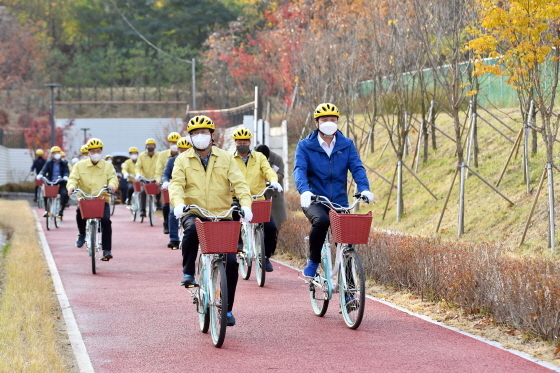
<point x="85" y="156"/>
<point x="110" y="160"/>
<point x="57" y="156"/>
<point x="173" y="148"/>
<point x="201" y="141"/>
<point x="134" y="157"/>
<point x="95" y="157"/>
<point x="328" y="128"/>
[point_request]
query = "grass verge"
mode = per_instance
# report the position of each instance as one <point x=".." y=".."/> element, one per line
<point x="31" y="339"/>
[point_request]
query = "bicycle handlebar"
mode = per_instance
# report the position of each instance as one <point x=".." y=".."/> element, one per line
<point x="335" y="206"/>
<point x="143" y="179"/>
<point x="55" y="182"/>
<point x="268" y="187"/>
<point x="207" y="214"/>
<point x="92" y="196"/>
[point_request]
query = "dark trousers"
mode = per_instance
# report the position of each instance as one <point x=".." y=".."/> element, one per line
<point x="63" y="197"/>
<point x="318" y="216"/>
<point x="165" y="211"/>
<point x="143" y="200"/>
<point x="36" y="190"/>
<point x="190" y="249"/>
<point x="129" y="191"/>
<point x="270" y="235"/>
<point x="106" y="229"/>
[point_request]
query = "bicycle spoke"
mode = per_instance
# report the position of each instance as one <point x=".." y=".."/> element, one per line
<point x="351" y="282"/>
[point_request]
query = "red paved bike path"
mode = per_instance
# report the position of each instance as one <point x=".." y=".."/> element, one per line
<point x="134" y="317"/>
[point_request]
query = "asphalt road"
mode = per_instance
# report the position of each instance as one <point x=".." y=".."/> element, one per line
<point x="134" y="317"/>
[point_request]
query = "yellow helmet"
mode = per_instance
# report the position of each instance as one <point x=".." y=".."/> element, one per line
<point x="108" y="156"/>
<point x="84" y="149"/>
<point x="173" y="137"/>
<point x="183" y="143"/>
<point x="200" y="121"/>
<point x="94" y="144"/>
<point x="242" y="134"/>
<point x="133" y="149"/>
<point x="150" y="141"/>
<point x="39" y="152"/>
<point x="326" y="109"/>
<point x="55" y="149"/>
<point x="62" y="154"/>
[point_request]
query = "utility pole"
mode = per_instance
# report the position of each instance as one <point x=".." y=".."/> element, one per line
<point x="85" y="133"/>
<point x="52" y="86"/>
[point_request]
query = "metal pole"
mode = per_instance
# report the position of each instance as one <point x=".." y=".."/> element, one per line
<point x="255" y="119"/>
<point x="193" y="66"/>
<point x="52" y="86"/>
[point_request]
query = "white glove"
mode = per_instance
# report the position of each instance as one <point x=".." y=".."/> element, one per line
<point x="276" y="185"/>
<point x="126" y="175"/>
<point x="39" y="177"/>
<point x="65" y="178"/>
<point x="165" y="185"/>
<point x="275" y="168"/>
<point x="368" y="195"/>
<point x="248" y="214"/>
<point x="137" y="177"/>
<point x="305" y="199"/>
<point x="178" y="211"/>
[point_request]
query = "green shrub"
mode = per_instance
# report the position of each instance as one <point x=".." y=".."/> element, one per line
<point x="28" y="187"/>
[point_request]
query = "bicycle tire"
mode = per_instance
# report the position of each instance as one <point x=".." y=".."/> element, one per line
<point x="151" y="209"/>
<point x="92" y="238"/>
<point x="40" y="196"/>
<point x="218" y="303"/>
<point x="318" y="290"/>
<point x="202" y="306"/>
<point x="48" y="211"/>
<point x="351" y="284"/>
<point x="260" y="256"/>
<point x="113" y="197"/>
<point x="245" y="262"/>
<point x="57" y="219"/>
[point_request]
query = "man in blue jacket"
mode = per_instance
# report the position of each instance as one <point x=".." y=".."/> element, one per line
<point x="56" y="169"/>
<point x="321" y="166"/>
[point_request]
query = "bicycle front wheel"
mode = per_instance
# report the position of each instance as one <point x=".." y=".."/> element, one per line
<point x="202" y="306"/>
<point x="56" y="208"/>
<point x="48" y="210"/>
<point x="40" y="198"/>
<point x="244" y="257"/>
<point x="92" y="233"/>
<point x="319" y="290"/>
<point x="351" y="284"/>
<point x="113" y="197"/>
<point x="260" y="256"/>
<point x="218" y="303"/>
<point x="133" y="208"/>
<point x="151" y="209"/>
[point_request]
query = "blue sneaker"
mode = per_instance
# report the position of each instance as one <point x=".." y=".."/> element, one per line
<point x="310" y="269"/>
<point x="351" y="303"/>
<point x="230" y="320"/>
<point x="188" y="280"/>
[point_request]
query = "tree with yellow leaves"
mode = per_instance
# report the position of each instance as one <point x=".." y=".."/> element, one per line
<point x="524" y="37"/>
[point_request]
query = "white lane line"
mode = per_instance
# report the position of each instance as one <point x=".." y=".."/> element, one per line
<point x="74" y="335"/>
<point x="521" y="354"/>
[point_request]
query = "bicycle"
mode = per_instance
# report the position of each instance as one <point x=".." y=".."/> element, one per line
<point x="151" y="188"/>
<point x="134" y="203"/>
<point x="347" y="230"/>
<point x="112" y="203"/>
<point x="40" y="195"/>
<point x="210" y="293"/>
<point x="252" y="235"/>
<point x="92" y="208"/>
<point x="50" y="191"/>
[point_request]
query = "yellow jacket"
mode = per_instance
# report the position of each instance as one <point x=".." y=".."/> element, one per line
<point x="256" y="172"/>
<point x="162" y="161"/>
<point x="146" y="165"/>
<point x="129" y="166"/>
<point x="210" y="189"/>
<point x="92" y="178"/>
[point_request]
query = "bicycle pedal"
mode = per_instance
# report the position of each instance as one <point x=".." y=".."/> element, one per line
<point x="191" y="286"/>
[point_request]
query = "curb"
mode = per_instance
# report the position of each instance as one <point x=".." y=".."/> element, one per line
<point x="74" y="335"/>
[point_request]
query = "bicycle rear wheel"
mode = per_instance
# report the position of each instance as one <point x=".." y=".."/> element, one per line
<point x="48" y="210"/>
<point x="151" y="209"/>
<point x="202" y="306"/>
<point x="40" y="197"/>
<point x="56" y="208"/>
<point x="92" y="231"/>
<point x="218" y="303"/>
<point x="351" y="284"/>
<point x="133" y="208"/>
<point x="260" y="256"/>
<point x="319" y="290"/>
<point x="244" y="257"/>
<point x="113" y="197"/>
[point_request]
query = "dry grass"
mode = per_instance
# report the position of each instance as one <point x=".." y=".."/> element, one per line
<point x="29" y="340"/>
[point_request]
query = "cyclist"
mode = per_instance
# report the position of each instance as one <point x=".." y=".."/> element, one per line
<point x="146" y="167"/>
<point x="257" y="171"/>
<point x="63" y="158"/>
<point x="91" y="176"/>
<point x="279" y="212"/>
<point x="84" y="152"/>
<point x="53" y="170"/>
<point x="129" y="170"/>
<point x="164" y="156"/>
<point x="37" y="166"/>
<point x="321" y="165"/>
<point x="183" y="145"/>
<point x="204" y="175"/>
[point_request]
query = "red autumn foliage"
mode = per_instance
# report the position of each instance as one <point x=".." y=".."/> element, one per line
<point x="37" y="131"/>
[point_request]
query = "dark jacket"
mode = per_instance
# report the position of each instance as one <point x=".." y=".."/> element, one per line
<point x="168" y="170"/>
<point x="38" y="165"/>
<point x="320" y="174"/>
<point x="279" y="213"/>
<point x="47" y="170"/>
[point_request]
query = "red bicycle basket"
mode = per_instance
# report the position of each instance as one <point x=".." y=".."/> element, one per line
<point x="92" y="208"/>
<point x="151" y="188"/>
<point x="51" y="190"/>
<point x="261" y="211"/>
<point x="218" y="237"/>
<point x="137" y="186"/>
<point x="165" y="196"/>
<point x="39" y="182"/>
<point x="350" y="228"/>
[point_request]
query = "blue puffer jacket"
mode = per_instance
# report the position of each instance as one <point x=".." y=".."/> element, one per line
<point x="314" y="171"/>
